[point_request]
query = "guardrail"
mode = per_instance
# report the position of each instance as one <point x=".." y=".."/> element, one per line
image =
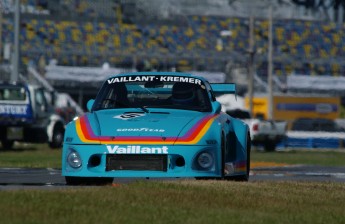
<point x="313" y="142"/>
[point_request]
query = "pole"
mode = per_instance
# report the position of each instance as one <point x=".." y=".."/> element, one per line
<point x="270" y="66"/>
<point x="251" y="65"/>
<point x="15" y="57"/>
<point x="1" y="34"/>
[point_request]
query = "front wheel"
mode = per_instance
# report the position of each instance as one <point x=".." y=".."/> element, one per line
<point x="244" y="177"/>
<point x="270" y="145"/>
<point x="57" y="138"/>
<point x="88" y="180"/>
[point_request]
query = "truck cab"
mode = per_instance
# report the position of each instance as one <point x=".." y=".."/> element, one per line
<point x="26" y="116"/>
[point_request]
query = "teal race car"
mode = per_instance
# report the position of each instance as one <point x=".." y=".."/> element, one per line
<point x="154" y="125"/>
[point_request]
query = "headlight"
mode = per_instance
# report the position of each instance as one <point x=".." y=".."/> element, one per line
<point x="74" y="160"/>
<point x="205" y="160"/>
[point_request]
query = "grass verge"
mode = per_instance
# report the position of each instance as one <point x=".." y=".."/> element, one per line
<point x="30" y="156"/>
<point x="184" y="201"/>
<point x="308" y="157"/>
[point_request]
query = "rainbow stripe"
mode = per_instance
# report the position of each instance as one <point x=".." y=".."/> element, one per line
<point x="193" y="136"/>
<point x="241" y="166"/>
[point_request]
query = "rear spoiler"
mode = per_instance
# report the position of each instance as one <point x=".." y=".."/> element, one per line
<point x="223" y="88"/>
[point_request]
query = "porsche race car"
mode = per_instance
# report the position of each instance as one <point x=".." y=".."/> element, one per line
<point x="153" y="125"/>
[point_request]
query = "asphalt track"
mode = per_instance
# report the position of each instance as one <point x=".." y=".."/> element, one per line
<point x="25" y="178"/>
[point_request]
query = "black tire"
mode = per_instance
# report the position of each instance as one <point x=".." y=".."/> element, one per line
<point x="245" y="177"/>
<point x="223" y="158"/>
<point x="7" y="144"/>
<point x="269" y="146"/>
<point x="57" y="138"/>
<point x="88" y="180"/>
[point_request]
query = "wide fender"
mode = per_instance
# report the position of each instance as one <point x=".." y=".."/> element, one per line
<point x="241" y="131"/>
<point x="54" y="121"/>
<point x="214" y="133"/>
<point x="71" y="135"/>
<point x="75" y="135"/>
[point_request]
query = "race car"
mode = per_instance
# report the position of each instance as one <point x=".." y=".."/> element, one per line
<point x="156" y="125"/>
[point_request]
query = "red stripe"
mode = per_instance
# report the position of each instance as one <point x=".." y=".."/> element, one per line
<point x="189" y="136"/>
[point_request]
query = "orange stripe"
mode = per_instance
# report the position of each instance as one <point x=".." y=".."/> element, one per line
<point x="86" y="134"/>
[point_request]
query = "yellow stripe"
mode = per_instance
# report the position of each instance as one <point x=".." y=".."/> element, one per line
<point x="194" y="141"/>
<point x="81" y="134"/>
<point x="201" y="133"/>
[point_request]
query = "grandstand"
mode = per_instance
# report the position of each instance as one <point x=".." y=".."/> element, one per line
<point x="182" y="35"/>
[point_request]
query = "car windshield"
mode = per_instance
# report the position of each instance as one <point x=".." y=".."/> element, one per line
<point x="12" y="93"/>
<point x="153" y="91"/>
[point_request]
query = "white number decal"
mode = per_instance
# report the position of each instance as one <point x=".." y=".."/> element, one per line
<point x="129" y="116"/>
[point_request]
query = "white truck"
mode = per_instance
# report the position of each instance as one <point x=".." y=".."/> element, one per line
<point x="267" y="133"/>
<point x="26" y="116"/>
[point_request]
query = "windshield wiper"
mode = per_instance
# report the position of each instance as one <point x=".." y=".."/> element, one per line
<point x="144" y="109"/>
<point x="123" y="105"/>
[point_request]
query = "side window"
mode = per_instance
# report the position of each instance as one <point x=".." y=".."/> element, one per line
<point x="40" y="99"/>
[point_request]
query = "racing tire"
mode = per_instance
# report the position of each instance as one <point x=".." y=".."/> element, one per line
<point x="7" y="144"/>
<point x="245" y="177"/>
<point x="223" y="159"/>
<point x="77" y="181"/>
<point x="57" y="138"/>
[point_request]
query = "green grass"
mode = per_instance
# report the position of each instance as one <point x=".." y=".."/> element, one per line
<point x="179" y="201"/>
<point x="30" y="155"/>
<point x="309" y="157"/>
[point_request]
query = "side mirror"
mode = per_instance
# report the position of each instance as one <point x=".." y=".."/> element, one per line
<point x="217" y="107"/>
<point x="90" y="104"/>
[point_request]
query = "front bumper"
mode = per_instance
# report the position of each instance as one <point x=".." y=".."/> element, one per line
<point x="139" y="161"/>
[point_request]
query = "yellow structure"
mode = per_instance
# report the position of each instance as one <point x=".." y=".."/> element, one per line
<point x="290" y="108"/>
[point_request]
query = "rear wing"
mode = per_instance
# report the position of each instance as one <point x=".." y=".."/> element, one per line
<point x="223" y="88"/>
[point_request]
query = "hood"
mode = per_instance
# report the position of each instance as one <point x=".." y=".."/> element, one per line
<point x="110" y="126"/>
<point x="141" y="124"/>
<point x="123" y="127"/>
